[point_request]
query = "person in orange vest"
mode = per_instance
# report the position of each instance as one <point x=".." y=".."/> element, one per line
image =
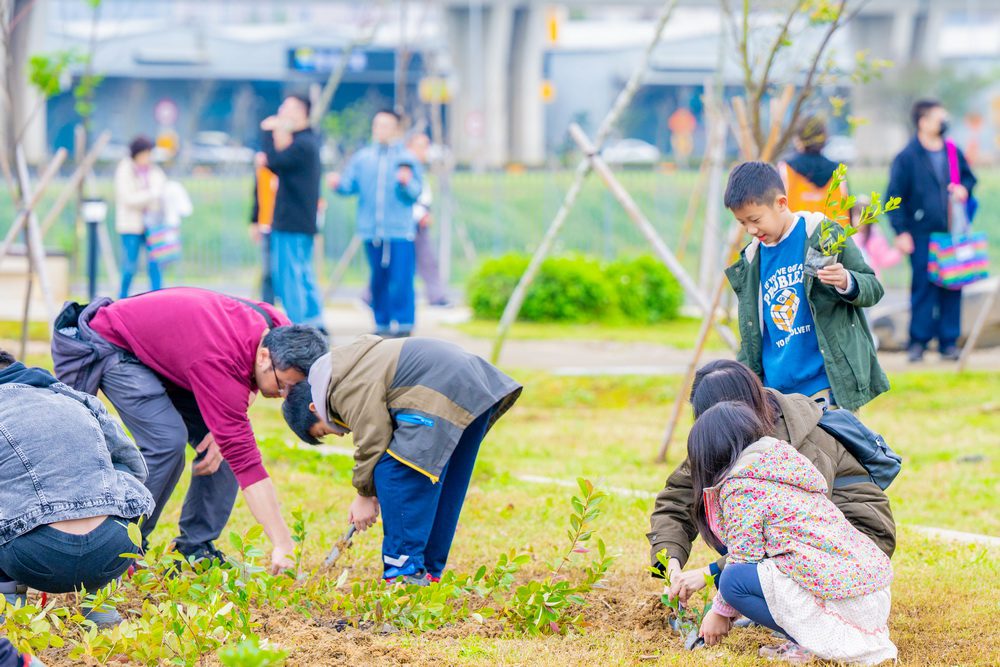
<point x="808" y="172"/>
<point x="265" y="186"/>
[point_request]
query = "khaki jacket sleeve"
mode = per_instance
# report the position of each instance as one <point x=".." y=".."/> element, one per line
<point x="365" y="410"/>
<point x="672" y="525"/>
<point x="864" y="504"/>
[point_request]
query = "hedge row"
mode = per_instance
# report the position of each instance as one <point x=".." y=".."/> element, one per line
<point x="578" y="289"/>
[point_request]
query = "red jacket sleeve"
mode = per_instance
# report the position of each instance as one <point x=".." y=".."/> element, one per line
<point x="223" y="401"/>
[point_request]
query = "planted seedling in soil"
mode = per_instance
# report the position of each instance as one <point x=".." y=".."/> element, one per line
<point x="687" y="618"/>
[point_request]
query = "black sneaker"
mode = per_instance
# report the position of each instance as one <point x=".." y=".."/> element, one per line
<point x="951" y="353"/>
<point x="915" y="353"/>
<point x="204" y="553"/>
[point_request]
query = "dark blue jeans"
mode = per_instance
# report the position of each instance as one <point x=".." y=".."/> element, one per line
<point x="935" y="312"/>
<point x="50" y="560"/>
<point x="419" y="517"/>
<point x="132" y="244"/>
<point x="740" y="587"/>
<point x="393" y="265"/>
<point x="9" y="657"/>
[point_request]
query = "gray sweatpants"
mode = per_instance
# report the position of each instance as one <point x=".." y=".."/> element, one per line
<point x="163" y="420"/>
<point x="427" y="267"/>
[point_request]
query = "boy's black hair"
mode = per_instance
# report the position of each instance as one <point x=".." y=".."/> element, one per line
<point x="753" y="183"/>
<point x="921" y="108"/>
<point x="716" y="440"/>
<point x="304" y="100"/>
<point x="296" y="346"/>
<point x="6" y="359"/>
<point x="297" y="414"/>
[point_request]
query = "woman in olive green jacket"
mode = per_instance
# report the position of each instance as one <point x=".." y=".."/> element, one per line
<point x="795" y="419"/>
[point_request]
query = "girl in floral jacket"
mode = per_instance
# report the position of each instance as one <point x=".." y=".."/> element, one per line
<point x="795" y="564"/>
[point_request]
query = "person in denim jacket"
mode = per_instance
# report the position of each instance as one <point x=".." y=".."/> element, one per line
<point x="73" y="481"/>
<point x="388" y="181"/>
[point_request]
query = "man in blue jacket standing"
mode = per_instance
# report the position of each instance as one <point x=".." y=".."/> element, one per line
<point x="921" y="176"/>
<point x="387" y="180"/>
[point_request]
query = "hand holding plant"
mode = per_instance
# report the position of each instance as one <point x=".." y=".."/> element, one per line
<point x="835" y="275"/>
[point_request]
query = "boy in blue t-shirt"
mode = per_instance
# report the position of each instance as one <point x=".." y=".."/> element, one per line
<point x="801" y="332"/>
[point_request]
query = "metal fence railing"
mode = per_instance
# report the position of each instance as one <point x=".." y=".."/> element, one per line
<point x="500" y="211"/>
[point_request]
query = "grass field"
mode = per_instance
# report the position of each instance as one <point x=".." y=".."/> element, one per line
<point x="680" y="334"/>
<point x="503" y="212"/>
<point x="607" y="430"/>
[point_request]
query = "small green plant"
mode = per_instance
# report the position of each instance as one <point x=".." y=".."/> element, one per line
<point x="252" y="652"/>
<point x="689" y="617"/>
<point x="554" y="604"/>
<point x="834" y="232"/>
<point x="183" y="612"/>
<point x="31" y="628"/>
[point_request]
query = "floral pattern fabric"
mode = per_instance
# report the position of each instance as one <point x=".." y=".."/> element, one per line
<point x="773" y="505"/>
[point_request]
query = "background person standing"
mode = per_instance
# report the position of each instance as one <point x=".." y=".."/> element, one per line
<point x="427" y="264"/>
<point x="138" y="192"/>
<point x="292" y="152"/>
<point x="920" y="175"/>
<point x="265" y="187"/>
<point x="387" y="180"/>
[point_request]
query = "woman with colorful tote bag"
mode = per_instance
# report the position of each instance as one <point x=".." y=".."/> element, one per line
<point x="958" y="257"/>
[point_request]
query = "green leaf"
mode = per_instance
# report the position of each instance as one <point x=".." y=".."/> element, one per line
<point x="135" y="534"/>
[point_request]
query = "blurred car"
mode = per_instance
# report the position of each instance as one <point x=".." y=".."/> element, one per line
<point x="631" y="151"/>
<point x="113" y="153"/>
<point x="840" y="148"/>
<point x="218" y="148"/>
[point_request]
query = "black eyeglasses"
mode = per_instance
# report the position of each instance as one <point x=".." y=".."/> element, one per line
<point x="281" y="388"/>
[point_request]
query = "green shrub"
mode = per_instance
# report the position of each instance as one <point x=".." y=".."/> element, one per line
<point x="491" y="285"/>
<point x="578" y="289"/>
<point x="647" y="292"/>
<point x="567" y="289"/>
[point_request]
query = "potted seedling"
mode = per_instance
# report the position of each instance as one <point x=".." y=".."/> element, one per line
<point x="834" y="231"/>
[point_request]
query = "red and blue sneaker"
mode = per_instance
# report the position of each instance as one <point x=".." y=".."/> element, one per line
<point x="406" y="575"/>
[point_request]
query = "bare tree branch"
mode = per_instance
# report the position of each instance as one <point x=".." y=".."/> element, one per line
<point x="775" y="48"/>
<point x="21" y="14"/>
<point x="807" y="88"/>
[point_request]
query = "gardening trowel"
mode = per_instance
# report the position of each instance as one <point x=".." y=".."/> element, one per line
<point x="342" y="545"/>
<point x="691" y="640"/>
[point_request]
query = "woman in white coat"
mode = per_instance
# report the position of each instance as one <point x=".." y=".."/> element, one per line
<point x="138" y="194"/>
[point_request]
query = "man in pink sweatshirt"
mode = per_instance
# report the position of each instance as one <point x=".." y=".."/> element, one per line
<point x="182" y="366"/>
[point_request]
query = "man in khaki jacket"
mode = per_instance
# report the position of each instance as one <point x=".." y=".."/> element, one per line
<point x="419" y="409"/>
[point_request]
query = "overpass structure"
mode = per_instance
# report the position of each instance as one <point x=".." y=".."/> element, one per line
<point x="497" y="52"/>
<point x="498" y="55"/>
